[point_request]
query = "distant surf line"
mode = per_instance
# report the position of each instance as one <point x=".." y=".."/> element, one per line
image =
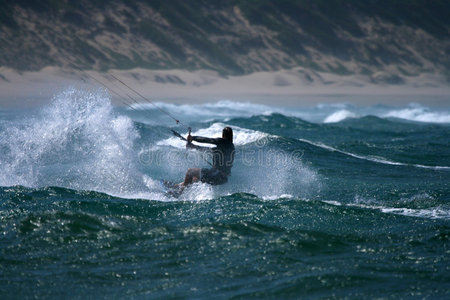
<point x="376" y="160"/>
<point x="427" y="213"/>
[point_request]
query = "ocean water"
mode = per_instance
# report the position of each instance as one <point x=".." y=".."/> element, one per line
<point x="325" y="201"/>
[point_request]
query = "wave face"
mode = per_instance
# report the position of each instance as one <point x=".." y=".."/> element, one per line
<point x="326" y="201"/>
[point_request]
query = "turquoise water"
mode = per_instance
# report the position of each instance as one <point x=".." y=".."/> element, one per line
<point x="327" y="201"/>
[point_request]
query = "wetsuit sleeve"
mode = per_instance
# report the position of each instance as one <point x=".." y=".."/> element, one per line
<point x="206" y="140"/>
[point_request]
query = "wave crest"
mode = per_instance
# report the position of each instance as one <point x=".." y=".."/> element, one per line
<point x="76" y="142"/>
<point x="339" y="116"/>
<point x="419" y="114"/>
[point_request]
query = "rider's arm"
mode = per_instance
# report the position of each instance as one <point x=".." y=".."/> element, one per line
<point x="206" y="140"/>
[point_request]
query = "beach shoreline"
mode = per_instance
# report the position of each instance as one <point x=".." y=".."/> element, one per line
<point x="296" y="86"/>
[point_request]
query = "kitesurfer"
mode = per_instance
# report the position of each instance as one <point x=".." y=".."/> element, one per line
<point x="222" y="159"/>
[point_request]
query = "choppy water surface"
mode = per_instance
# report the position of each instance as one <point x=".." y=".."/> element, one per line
<point x="326" y="201"/>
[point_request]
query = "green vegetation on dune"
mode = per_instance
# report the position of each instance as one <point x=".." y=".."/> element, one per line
<point x="149" y="31"/>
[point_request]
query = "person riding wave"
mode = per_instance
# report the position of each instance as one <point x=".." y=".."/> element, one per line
<point x="222" y="159"/>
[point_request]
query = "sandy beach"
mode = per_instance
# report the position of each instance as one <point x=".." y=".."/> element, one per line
<point x="287" y="87"/>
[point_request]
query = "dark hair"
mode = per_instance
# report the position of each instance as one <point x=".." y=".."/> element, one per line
<point x="227" y="133"/>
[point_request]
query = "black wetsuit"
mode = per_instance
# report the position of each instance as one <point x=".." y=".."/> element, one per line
<point x="222" y="160"/>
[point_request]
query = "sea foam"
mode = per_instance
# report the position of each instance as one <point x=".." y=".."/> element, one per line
<point x="339" y="116"/>
<point x="77" y="142"/>
<point x="418" y="113"/>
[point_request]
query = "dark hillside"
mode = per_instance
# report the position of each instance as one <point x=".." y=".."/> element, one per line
<point x="233" y="37"/>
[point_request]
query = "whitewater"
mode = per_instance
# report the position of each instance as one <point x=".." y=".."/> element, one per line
<point x="326" y="200"/>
